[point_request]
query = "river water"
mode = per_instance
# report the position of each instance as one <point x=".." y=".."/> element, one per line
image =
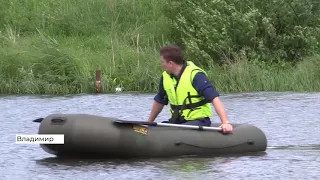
<point x="289" y="120"/>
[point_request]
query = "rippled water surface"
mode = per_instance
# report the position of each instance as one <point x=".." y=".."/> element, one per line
<point x="289" y="120"/>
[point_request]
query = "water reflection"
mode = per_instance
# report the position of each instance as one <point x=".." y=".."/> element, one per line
<point x="181" y="163"/>
<point x="297" y="147"/>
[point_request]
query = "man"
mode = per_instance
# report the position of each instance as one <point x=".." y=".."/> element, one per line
<point x="188" y="90"/>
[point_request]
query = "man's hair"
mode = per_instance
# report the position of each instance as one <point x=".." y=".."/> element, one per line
<point x="172" y="53"/>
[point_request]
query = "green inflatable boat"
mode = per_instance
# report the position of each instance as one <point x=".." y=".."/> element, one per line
<point x="90" y="135"/>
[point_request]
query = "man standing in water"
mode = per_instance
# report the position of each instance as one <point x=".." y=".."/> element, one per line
<point x="188" y="90"/>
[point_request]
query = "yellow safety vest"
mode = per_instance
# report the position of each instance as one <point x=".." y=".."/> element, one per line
<point x="185" y="97"/>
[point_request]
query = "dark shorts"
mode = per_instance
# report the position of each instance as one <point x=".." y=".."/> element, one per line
<point x="199" y="122"/>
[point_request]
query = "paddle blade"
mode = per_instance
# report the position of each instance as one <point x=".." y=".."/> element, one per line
<point x="38" y="120"/>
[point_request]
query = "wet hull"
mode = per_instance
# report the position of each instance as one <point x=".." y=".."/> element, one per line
<point x="89" y="135"/>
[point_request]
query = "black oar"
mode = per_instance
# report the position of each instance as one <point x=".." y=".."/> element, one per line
<point x="168" y="125"/>
<point x="38" y="120"/>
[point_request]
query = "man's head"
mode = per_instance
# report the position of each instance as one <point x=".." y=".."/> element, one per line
<point x="171" y="58"/>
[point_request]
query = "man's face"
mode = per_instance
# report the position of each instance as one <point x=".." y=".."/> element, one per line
<point x="167" y="66"/>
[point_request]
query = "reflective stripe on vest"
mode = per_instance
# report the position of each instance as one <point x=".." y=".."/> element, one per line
<point x="193" y="110"/>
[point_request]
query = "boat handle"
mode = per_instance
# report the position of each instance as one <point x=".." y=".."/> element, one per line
<point x="58" y="120"/>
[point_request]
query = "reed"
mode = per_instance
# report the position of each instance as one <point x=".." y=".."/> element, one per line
<point x="251" y="76"/>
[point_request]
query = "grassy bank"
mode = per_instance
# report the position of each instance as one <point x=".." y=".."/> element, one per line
<point x="39" y="65"/>
<point x="49" y="47"/>
<point x="245" y="76"/>
<point x="52" y="47"/>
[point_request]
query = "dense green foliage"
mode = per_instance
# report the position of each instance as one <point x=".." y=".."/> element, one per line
<point x="55" y="47"/>
<point x="221" y="30"/>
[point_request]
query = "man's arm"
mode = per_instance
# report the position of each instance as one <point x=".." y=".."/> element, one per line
<point x="156" y="109"/>
<point x="159" y="101"/>
<point x="220" y="110"/>
<point x="205" y="88"/>
<point x="226" y="127"/>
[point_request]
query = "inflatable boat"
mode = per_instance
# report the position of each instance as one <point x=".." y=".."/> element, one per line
<point x="91" y="135"/>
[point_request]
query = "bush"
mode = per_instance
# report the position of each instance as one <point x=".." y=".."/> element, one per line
<point x="220" y="30"/>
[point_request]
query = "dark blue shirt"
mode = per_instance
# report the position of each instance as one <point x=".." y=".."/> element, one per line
<point x="200" y="82"/>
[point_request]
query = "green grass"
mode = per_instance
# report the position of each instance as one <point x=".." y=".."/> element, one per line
<point x="245" y="76"/>
<point x="55" y="47"/>
<point x="40" y="65"/>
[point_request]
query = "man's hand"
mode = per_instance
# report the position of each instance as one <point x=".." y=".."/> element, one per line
<point x="226" y="128"/>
